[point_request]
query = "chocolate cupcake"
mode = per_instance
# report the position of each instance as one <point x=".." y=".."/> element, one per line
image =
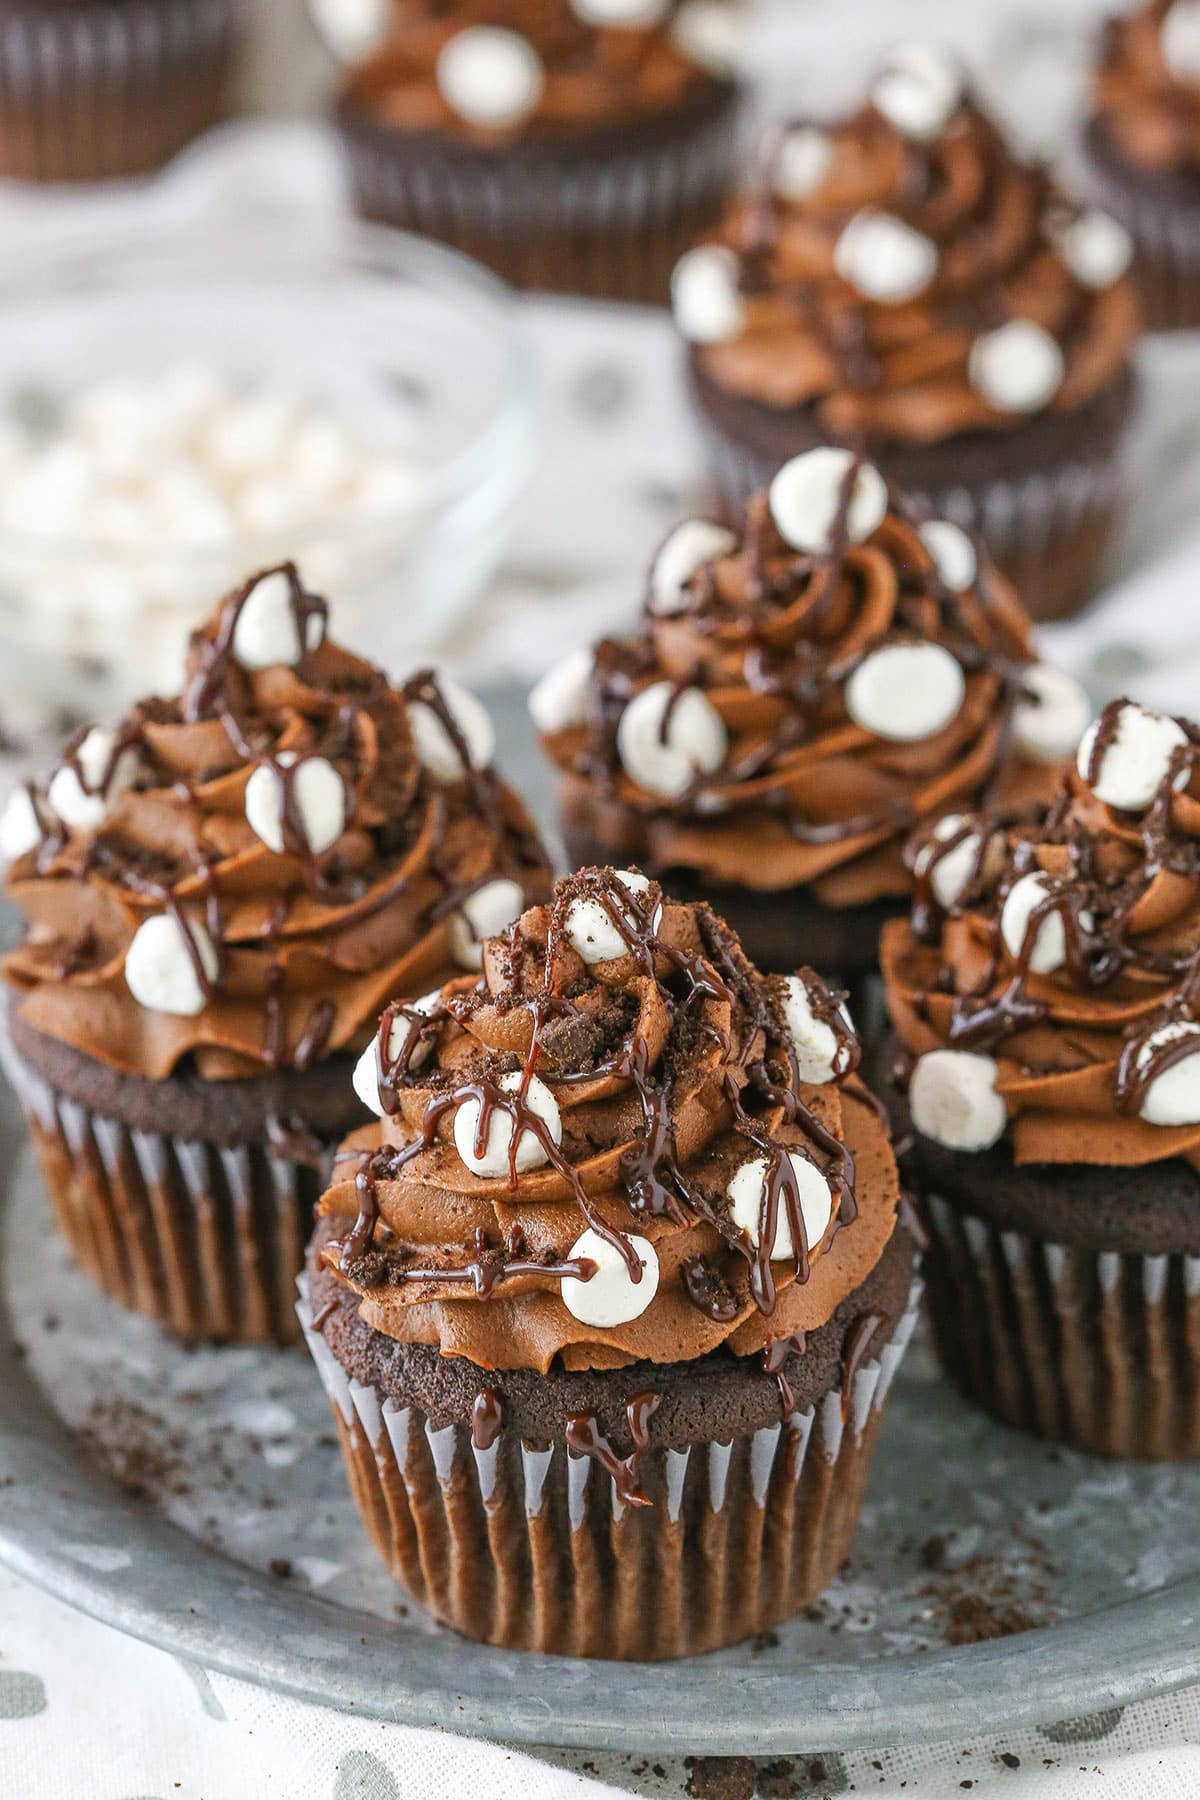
<point x="797" y="701"/>
<point x="91" y="89"/>
<point x="1045" y="997"/>
<point x="902" y="284"/>
<point x="584" y="1409"/>
<point x="220" y="894"/>
<point x="1143" y="149"/>
<point x="575" y="145"/>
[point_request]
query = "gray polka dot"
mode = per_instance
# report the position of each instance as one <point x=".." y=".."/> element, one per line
<point x="1087" y="1730"/>
<point x="361" y="1776"/>
<point x="22" y="1696"/>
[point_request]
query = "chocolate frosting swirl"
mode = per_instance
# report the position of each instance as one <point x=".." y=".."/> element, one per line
<point x="306" y="947"/>
<point x="875" y="371"/>
<point x="805" y="795"/>
<point x="592" y="76"/>
<point x="1072" y="1043"/>
<point x="671" y="1067"/>
<point x="1149" y="115"/>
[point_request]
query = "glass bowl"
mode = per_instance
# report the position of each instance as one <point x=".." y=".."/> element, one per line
<point x="410" y="348"/>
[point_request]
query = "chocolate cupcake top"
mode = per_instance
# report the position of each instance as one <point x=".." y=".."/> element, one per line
<point x="1048" y="987"/>
<point x="905" y="276"/>
<point x="1146" y="90"/>
<point x="234" y="881"/>
<point x="497" y="70"/>
<point x="621" y="1143"/>
<point x="800" y="695"/>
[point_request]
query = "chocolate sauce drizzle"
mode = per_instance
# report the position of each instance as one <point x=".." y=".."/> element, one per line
<point x="585" y="1438"/>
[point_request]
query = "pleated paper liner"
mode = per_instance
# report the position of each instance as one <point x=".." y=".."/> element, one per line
<point x="1098" y="1350"/>
<point x="530" y="1546"/>
<point x="1166" y="235"/>
<point x="204" y="1238"/>
<point x="111" y="88"/>
<point x="611" y="224"/>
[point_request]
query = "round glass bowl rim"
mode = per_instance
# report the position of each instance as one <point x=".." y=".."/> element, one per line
<point x="289" y="244"/>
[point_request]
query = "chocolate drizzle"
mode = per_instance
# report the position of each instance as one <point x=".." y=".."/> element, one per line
<point x="585" y="1438"/>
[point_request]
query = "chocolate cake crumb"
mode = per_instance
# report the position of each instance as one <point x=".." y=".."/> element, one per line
<point x="974" y="1620"/>
<point x="1009" y="1760"/>
<point x="721" y="1778"/>
<point x="778" y="1780"/>
<point x="933" y="1552"/>
<point x="281" y="1566"/>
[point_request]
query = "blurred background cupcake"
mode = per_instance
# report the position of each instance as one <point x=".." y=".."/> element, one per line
<point x="573" y="145"/>
<point x="1143" y="147"/>
<point x="903" y="283"/>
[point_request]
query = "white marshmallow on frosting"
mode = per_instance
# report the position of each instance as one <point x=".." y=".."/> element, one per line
<point x="1050" y="716"/>
<point x="624" y="15"/>
<point x="85" y="804"/>
<point x="919" y="89"/>
<point x="906" y="692"/>
<point x="495" y="1160"/>
<point x="1095" y="248"/>
<point x="820" y="1054"/>
<point x="745" y="1195"/>
<point x="694" y="742"/>
<point x="1138" y="757"/>
<point x="952" y="1100"/>
<point x="266" y="634"/>
<point x="589" y="926"/>
<point x="806" y="493"/>
<point x="365" y="1079"/>
<point x="1017" y="368"/>
<point x="1048" y="950"/>
<point x="953" y="870"/>
<point x="484" y="914"/>
<point x="438" y="752"/>
<point x="159" y="969"/>
<point x="1181" y="40"/>
<point x="1172" y="1098"/>
<point x="885" y="259"/>
<point x="20" y="825"/>
<point x="705" y="300"/>
<point x="710" y="33"/>
<point x="559" y="699"/>
<point x="954" y="556"/>
<point x="689" y="547"/>
<point x="802" y="160"/>
<point x="490" y="76"/>
<point x="611" y="1297"/>
<point x="351" y="28"/>
<point x="319" y="797"/>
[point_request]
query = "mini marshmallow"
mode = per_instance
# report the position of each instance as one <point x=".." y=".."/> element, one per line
<point x="589" y="926"/>
<point x="531" y="1151"/>
<point x="745" y="1195"/>
<point x="705" y="300"/>
<point x="1181" y="40"/>
<point x="366" y="1077"/>
<point x="1095" y="248"/>
<point x="802" y="161"/>
<point x="159" y="970"/>
<point x="806" y="493"/>
<point x="954" y="556"/>
<point x="266" y="634"/>
<point x="81" y="804"/>
<point x="490" y="76"/>
<point x="559" y="699"/>
<point x="623" y="15"/>
<point x="610" y="1297"/>
<point x="351" y="28"/>
<point x="1017" y="368"/>
<point x="820" y="1055"/>
<point x="1049" y="948"/>
<point x="1051" y="715"/>
<point x="1172" y="1098"/>
<point x="710" y="33"/>
<point x="1137" y="760"/>
<point x="689" y="547"/>
<point x="438" y="752"/>
<point x="954" y="869"/>
<point x="906" y="692"/>
<point x="319" y="797"/>
<point x="484" y="914"/>
<point x="919" y="89"/>
<point x="20" y="826"/>
<point x="885" y="259"/>
<point x="952" y="1100"/>
<point x="251" y="433"/>
<point x="694" y="742"/>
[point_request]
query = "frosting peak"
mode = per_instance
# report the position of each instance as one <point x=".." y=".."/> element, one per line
<point x="1146" y="90"/>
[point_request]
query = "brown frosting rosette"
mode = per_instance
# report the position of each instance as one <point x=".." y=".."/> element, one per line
<point x="905" y="278"/>
<point x="800" y="697"/>
<point x="495" y="70"/>
<point x="621" y="1144"/>
<point x="1146" y="90"/>
<point x="233" y="881"/>
<point x="1048" y="986"/>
